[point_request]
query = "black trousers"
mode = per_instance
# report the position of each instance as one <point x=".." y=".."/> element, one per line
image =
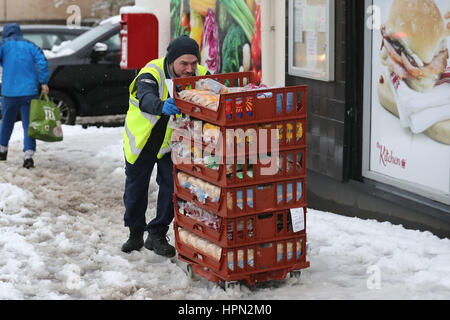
<point x="137" y="187"/>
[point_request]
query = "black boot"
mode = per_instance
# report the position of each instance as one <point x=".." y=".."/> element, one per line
<point x="3" y="155"/>
<point x="28" y="163"/>
<point x="135" y="241"/>
<point x="158" y="243"/>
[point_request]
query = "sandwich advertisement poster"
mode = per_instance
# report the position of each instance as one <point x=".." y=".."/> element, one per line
<point x="410" y="114"/>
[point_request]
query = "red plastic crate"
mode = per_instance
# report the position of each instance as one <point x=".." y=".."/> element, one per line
<point x="290" y="164"/>
<point x="252" y="228"/>
<point x="283" y="104"/>
<point x="251" y="198"/>
<point x="259" y="137"/>
<point x="247" y="262"/>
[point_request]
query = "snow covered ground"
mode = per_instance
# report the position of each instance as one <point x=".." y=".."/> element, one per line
<point x="61" y="229"/>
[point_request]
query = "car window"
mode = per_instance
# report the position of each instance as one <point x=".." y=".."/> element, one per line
<point x="69" y="36"/>
<point x="88" y="37"/>
<point x="37" y="39"/>
<point x="113" y="43"/>
<point x="43" y="40"/>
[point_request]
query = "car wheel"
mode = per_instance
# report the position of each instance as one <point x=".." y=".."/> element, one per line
<point x="66" y="106"/>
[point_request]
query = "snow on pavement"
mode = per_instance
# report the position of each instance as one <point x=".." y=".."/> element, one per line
<point x="61" y="229"/>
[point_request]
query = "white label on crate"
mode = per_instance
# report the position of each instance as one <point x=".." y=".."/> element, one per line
<point x="298" y="220"/>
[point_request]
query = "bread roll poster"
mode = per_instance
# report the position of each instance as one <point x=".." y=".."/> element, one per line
<point x="410" y="114"/>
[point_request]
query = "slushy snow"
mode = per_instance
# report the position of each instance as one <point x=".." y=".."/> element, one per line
<point x="61" y="229"/>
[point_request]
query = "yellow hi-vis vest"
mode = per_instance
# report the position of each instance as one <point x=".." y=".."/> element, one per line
<point x="139" y="124"/>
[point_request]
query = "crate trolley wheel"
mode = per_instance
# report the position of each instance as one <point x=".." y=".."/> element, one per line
<point x="230" y="286"/>
<point x="295" y="274"/>
<point x="190" y="271"/>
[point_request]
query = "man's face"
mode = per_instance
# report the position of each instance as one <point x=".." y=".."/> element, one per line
<point x="184" y="66"/>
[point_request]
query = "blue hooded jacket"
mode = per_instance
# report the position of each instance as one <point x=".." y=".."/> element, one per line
<point x="24" y="64"/>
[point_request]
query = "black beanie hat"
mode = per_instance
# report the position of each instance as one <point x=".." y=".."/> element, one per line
<point x="180" y="46"/>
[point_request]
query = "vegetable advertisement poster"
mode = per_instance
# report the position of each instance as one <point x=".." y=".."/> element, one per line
<point x="410" y="85"/>
<point x="228" y="32"/>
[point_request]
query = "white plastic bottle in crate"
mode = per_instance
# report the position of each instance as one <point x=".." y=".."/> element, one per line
<point x="289" y="195"/>
<point x="280" y="252"/>
<point x="290" y="251"/>
<point x="280" y="195"/>
<point x="250" y="258"/>
<point x="230" y="260"/>
<point x="299" y="191"/>
<point x="240" y="199"/>
<point x="299" y="248"/>
<point x="240" y="258"/>
<point x="250" y="198"/>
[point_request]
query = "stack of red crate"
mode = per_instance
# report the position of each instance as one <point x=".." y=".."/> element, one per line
<point x="233" y="219"/>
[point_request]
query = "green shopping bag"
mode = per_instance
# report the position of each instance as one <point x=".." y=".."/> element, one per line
<point x="45" y="120"/>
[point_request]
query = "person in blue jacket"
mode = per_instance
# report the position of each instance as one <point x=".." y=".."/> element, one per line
<point x="24" y="68"/>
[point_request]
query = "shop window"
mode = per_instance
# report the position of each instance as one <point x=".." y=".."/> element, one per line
<point x="311" y="39"/>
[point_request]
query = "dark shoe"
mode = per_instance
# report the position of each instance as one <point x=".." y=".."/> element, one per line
<point x="3" y="155"/>
<point x="135" y="241"/>
<point x="28" y="163"/>
<point x="158" y="242"/>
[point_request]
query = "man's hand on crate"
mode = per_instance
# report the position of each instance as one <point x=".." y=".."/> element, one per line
<point x="170" y="108"/>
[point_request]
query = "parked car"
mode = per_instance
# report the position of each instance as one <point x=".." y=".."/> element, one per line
<point x="47" y="35"/>
<point x="85" y="75"/>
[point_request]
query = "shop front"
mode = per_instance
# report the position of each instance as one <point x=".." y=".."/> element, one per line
<point x="379" y="107"/>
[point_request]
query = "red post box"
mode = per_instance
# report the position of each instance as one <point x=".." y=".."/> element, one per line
<point x="139" y="39"/>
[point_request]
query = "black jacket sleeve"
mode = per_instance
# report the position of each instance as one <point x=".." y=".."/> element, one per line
<point x="148" y="94"/>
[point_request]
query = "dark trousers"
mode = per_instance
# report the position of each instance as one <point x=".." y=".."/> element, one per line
<point x="136" y="192"/>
